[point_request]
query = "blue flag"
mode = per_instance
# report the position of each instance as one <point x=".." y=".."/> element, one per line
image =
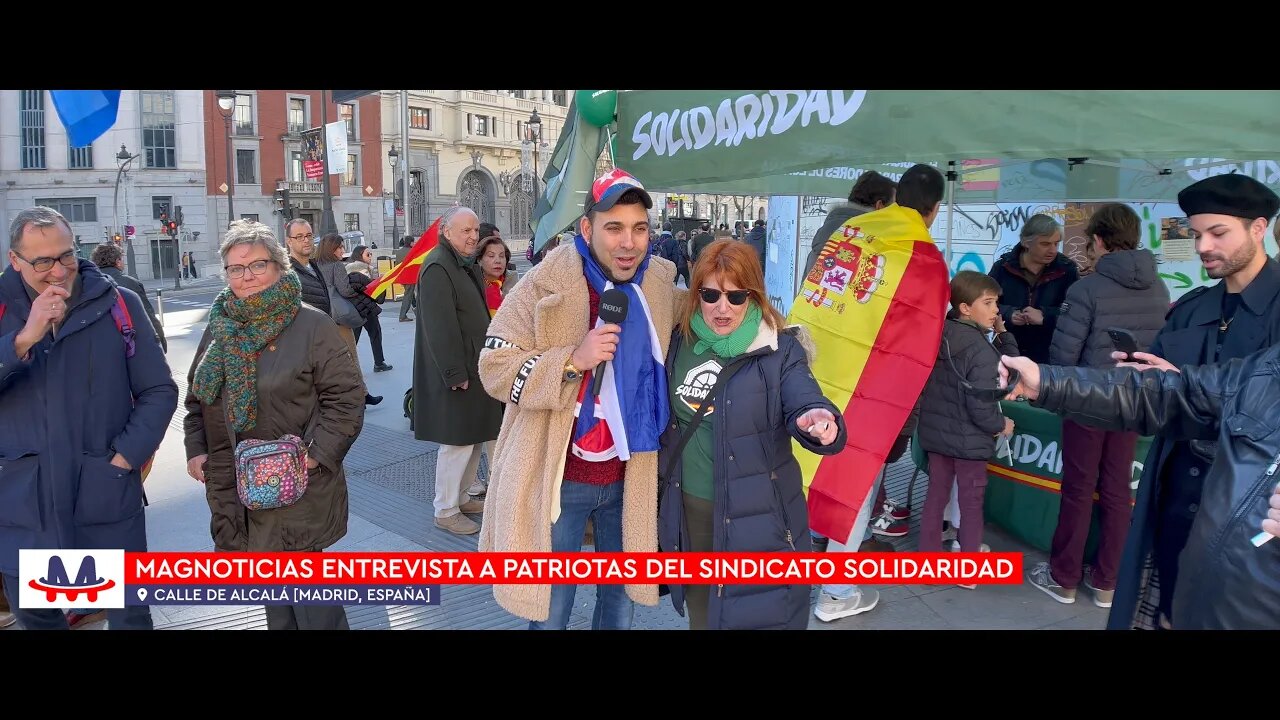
<point x="86" y="114"/>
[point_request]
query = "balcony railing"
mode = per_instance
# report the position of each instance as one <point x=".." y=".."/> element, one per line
<point x="301" y="186"/>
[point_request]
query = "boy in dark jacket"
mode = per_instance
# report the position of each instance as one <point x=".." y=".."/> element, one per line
<point x="958" y="428"/>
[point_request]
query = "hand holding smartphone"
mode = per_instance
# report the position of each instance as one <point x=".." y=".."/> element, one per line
<point x="1124" y="342"/>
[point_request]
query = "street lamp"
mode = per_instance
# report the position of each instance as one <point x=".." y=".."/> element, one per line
<point x="227" y="106"/>
<point x="535" y="135"/>
<point x="393" y="158"/>
<point x="123" y="158"/>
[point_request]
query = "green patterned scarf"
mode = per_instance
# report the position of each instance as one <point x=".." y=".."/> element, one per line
<point x="241" y="328"/>
<point x="731" y="345"/>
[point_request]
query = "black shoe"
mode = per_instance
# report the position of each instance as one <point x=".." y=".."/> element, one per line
<point x="372" y="399"/>
<point x="381" y="367"/>
<point x="820" y="544"/>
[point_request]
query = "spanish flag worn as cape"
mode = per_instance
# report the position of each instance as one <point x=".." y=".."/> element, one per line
<point x="406" y="271"/>
<point x="875" y="302"/>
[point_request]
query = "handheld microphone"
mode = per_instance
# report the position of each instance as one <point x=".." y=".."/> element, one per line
<point x="613" y="309"/>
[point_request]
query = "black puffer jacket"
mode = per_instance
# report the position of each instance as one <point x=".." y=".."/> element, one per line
<point x="1124" y="291"/>
<point x="314" y="292"/>
<point x="953" y="422"/>
<point x="1234" y="585"/>
<point x="757" y="239"/>
<point x="759" y="497"/>
<point x="1046" y="294"/>
<point x="367" y="306"/>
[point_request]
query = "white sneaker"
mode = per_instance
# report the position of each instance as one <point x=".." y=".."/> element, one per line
<point x="955" y="547"/>
<point x="478" y="489"/>
<point x="832" y="608"/>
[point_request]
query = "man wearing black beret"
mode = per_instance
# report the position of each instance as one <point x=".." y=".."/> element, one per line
<point x="1231" y="319"/>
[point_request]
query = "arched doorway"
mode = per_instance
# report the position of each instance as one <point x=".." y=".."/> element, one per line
<point x="521" y="210"/>
<point x="417" y="203"/>
<point x="476" y="192"/>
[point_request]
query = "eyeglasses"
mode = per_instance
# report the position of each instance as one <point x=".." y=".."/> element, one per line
<point x="308" y="236"/>
<point x="44" y="264"/>
<point x="255" y="268"/>
<point x="711" y="296"/>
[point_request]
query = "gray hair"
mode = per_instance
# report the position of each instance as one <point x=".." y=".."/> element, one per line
<point x="41" y="217"/>
<point x="447" y="218"/>
<point x="251" y="232"/>
<point x="1039" y="225"/>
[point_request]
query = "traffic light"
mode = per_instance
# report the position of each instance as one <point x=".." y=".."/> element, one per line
<point x="282" y="204"/>
<point x="177" y="215"/>
<point x="116" y="238"/>
<point x="172" y="228"/>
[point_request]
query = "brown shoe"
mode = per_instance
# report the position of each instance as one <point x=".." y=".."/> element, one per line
<point x="458" y="524"/>
<point x="874" y="545"/>
<point x="7" y="619"/>
<point x="471" y="507"/>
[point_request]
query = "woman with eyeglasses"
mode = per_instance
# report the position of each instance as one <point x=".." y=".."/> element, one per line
<point x="728" y="482"/>
<point x="270" y="366"/>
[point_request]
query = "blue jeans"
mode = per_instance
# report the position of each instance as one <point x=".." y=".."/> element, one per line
<point x="134" y="617"/>
<point x="603" y="505"/>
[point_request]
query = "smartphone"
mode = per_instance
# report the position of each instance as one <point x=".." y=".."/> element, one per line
<point x="1125" y="342"/>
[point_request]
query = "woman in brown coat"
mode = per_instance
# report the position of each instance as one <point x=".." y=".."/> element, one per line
<point x="269" y="366"/>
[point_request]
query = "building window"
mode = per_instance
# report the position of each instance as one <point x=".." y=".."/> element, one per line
<point x="80" y="158"/>
<point x="353" y="171"/>
<point x="482" y="125"/>
<point x="420" y="118"/>
<point x="520" y="132"/>
<point x="519" y="94"/>
<point x="297" y="115"/>
<point x="159" y="136"/>
<point x="558" y="97"/>
<point x="347" y="111"/>
<point x="31" y="124"/>
<point x="352" y="221"/>
<point x="246" y="172"/>
<point x="295" y="166"/>
<point x="73" y="209"/>
<point x="249" y="216"/>
<point x="244" y="114"/>
<point x="159" y="204"/>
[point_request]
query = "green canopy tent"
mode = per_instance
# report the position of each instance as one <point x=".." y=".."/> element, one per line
<point x="1099" y="143"/>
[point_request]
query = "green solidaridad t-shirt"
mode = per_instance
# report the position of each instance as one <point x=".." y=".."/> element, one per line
<point x="692" y="384"/>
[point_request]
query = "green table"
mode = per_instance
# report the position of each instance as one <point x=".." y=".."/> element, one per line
<point x="1023" y="497"/>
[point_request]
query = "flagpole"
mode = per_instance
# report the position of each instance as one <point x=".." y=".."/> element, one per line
<point x="951" y="206"/>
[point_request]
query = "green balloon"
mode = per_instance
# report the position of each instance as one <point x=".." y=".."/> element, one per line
<point x="597" y="106"/>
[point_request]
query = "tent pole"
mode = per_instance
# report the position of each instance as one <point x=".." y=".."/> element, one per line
<point x="951" y="206"/>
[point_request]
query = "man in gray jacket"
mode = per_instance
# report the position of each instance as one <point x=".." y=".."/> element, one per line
<point x="872" y="191"/>
<point x="1124" y="291"/>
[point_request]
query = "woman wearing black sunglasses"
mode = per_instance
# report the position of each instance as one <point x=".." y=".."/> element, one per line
<point x="740" y="389"/>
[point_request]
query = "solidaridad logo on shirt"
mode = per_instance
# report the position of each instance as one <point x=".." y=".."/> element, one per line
<point x="697" y="385"/>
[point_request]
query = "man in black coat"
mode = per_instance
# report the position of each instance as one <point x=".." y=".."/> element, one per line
<point x="448" y="408"/>
<point x="1034" y="277"/>
<point x="1232" y="319"/>
<point x="110" y="261"/>
<point x="301" y="241"/>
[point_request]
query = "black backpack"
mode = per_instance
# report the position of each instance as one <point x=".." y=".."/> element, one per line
<point x="408" y="406"/>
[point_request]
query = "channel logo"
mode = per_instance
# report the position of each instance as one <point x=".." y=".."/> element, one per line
<point x="70" y="579"/>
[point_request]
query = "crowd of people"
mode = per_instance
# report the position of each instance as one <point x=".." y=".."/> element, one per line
<point x="684" y="441"/>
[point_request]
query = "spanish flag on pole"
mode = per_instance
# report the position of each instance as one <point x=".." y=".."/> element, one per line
<point x="875" y="302"/>
<point x="406" y="271"/>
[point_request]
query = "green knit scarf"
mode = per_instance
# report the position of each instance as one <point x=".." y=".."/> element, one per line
<point x="731" y="345"/>
<point x="241" y="328"/>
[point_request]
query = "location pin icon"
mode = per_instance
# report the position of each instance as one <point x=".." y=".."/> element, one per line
<point x="142" y="594"/>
